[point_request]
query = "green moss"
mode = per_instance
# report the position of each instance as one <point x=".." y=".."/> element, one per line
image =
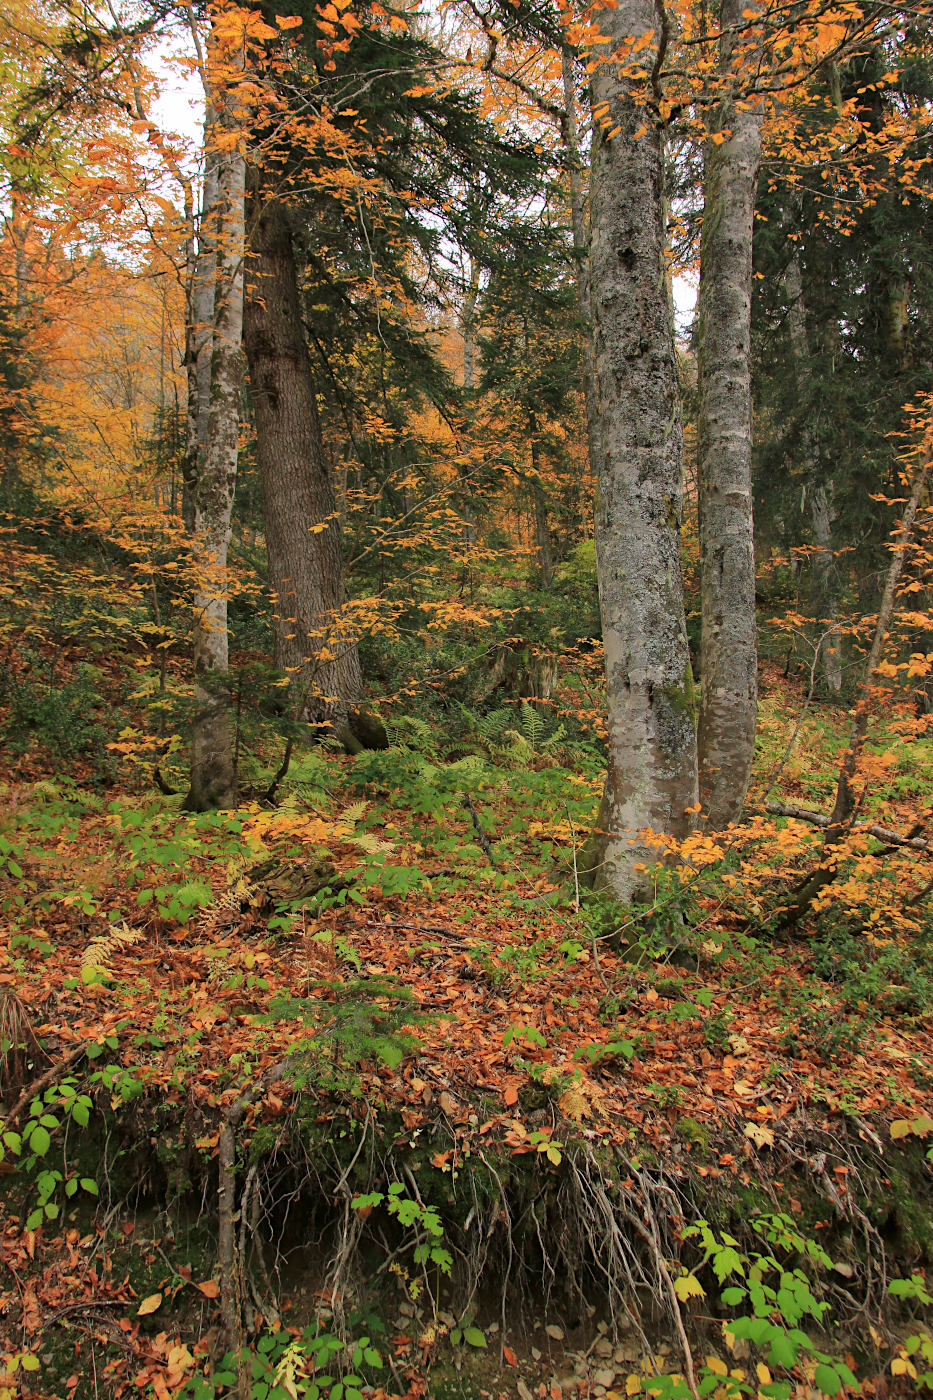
<point x="693" y="1132"/>
<point x="684" y="699"/>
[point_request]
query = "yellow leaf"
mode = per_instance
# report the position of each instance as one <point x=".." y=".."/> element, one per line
<point x="759" y="1134"/>
<point x="288" y="21"/>
<point x="718" y="1368"/>
<point x="764" y="1375"/>
<point x="688" y="1287"/>
<point x="149" y="1305"/>
<point x="633" y="1385"/>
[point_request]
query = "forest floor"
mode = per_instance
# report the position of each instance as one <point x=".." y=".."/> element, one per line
<point x="475" y="1112"/>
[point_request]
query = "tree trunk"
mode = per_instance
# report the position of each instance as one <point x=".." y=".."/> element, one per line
<point x="213" y="776"/>
<point x="313" y="642"/>
<point x="199" y="332"/>
<point x="581" y="253"/>
<point x="820" y="516"/>
<point x="831" y="643"/>
<point x="468" y="331"/>
<point x="652" y="773"/>
<point x="542" y="525"/>
<point x="728" y="651"/>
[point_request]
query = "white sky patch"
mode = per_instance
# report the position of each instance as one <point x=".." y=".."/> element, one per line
<point x="179" y="111"/>
<point x="178" y="108"/>
<point x="685" y="300"/>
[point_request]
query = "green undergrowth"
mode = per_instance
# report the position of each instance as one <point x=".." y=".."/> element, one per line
<point x="368" y="1231"/>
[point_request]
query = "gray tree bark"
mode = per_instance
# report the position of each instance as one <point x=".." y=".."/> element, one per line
<point x="728" y="652"/>
<point x="199" y="332"/>
<point x="213" y="776"/>
<point x="313" y="641"/>
<point x="820" y="512"/>
<point x="652" y="771"/>
<point x="468" y="331"/>
<point x="542" y="523"/>
<point x="581" y="253"/>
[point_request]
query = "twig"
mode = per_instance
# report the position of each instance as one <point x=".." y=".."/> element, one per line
<point x="817" y="648"/>
<point x="51" y="1075"/>
<point x="650" y="1236"/>
<point x="820" y="819"/>
<point x="481" y="835"/>
<point x="576" y="873"/>
<point x="281" y="771"/>
<point x="271" y="1306"/>
<point x="231" y="1302"/>
<point x="845" y="806"/>
<point x="416" y="928"/>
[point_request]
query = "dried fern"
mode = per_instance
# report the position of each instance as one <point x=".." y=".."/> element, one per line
<point x="226" y="906"/>
<point x="97" y="954"/>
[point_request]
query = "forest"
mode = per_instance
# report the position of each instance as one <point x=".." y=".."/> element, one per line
<point x="466" y="699"/>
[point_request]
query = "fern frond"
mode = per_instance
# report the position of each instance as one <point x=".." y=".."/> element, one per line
<point x="238" y="892"/>
<point x="373" y="845"/>
<point x="353" y="814"/>
<point x="532" y="725"/>
<point x="100" y="950"/>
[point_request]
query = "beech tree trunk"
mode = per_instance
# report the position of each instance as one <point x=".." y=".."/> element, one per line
<point x="728" y="651"/>
<point x="199" y="332"/>
<point x="652" y="770"/>
<point x="468" y="331"/>
<point x="213" y="776"/>
<point x="581" y="253"/>
<point x="820" y="514"/>
<point x="542" y="524"/>
<point x="313" y="641"/>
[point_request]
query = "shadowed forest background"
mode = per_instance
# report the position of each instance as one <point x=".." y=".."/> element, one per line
<point x="465" y="855"/>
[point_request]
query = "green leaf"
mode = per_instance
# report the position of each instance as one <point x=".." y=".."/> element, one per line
<point x="733" y="1296"/>
<point x="474" y="1336"/>
<point x="782" y="1352"/>
<point x="827" y="1379"/>
<point x="90" y="1185"/>
<point x="39" y="1141"/>
<point x="727" y="1261"/>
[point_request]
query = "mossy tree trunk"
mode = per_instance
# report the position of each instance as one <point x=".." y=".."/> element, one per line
<point x="213" y="776"/>
<point x="728" y="651"/>
<point x="652" y="766"/>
